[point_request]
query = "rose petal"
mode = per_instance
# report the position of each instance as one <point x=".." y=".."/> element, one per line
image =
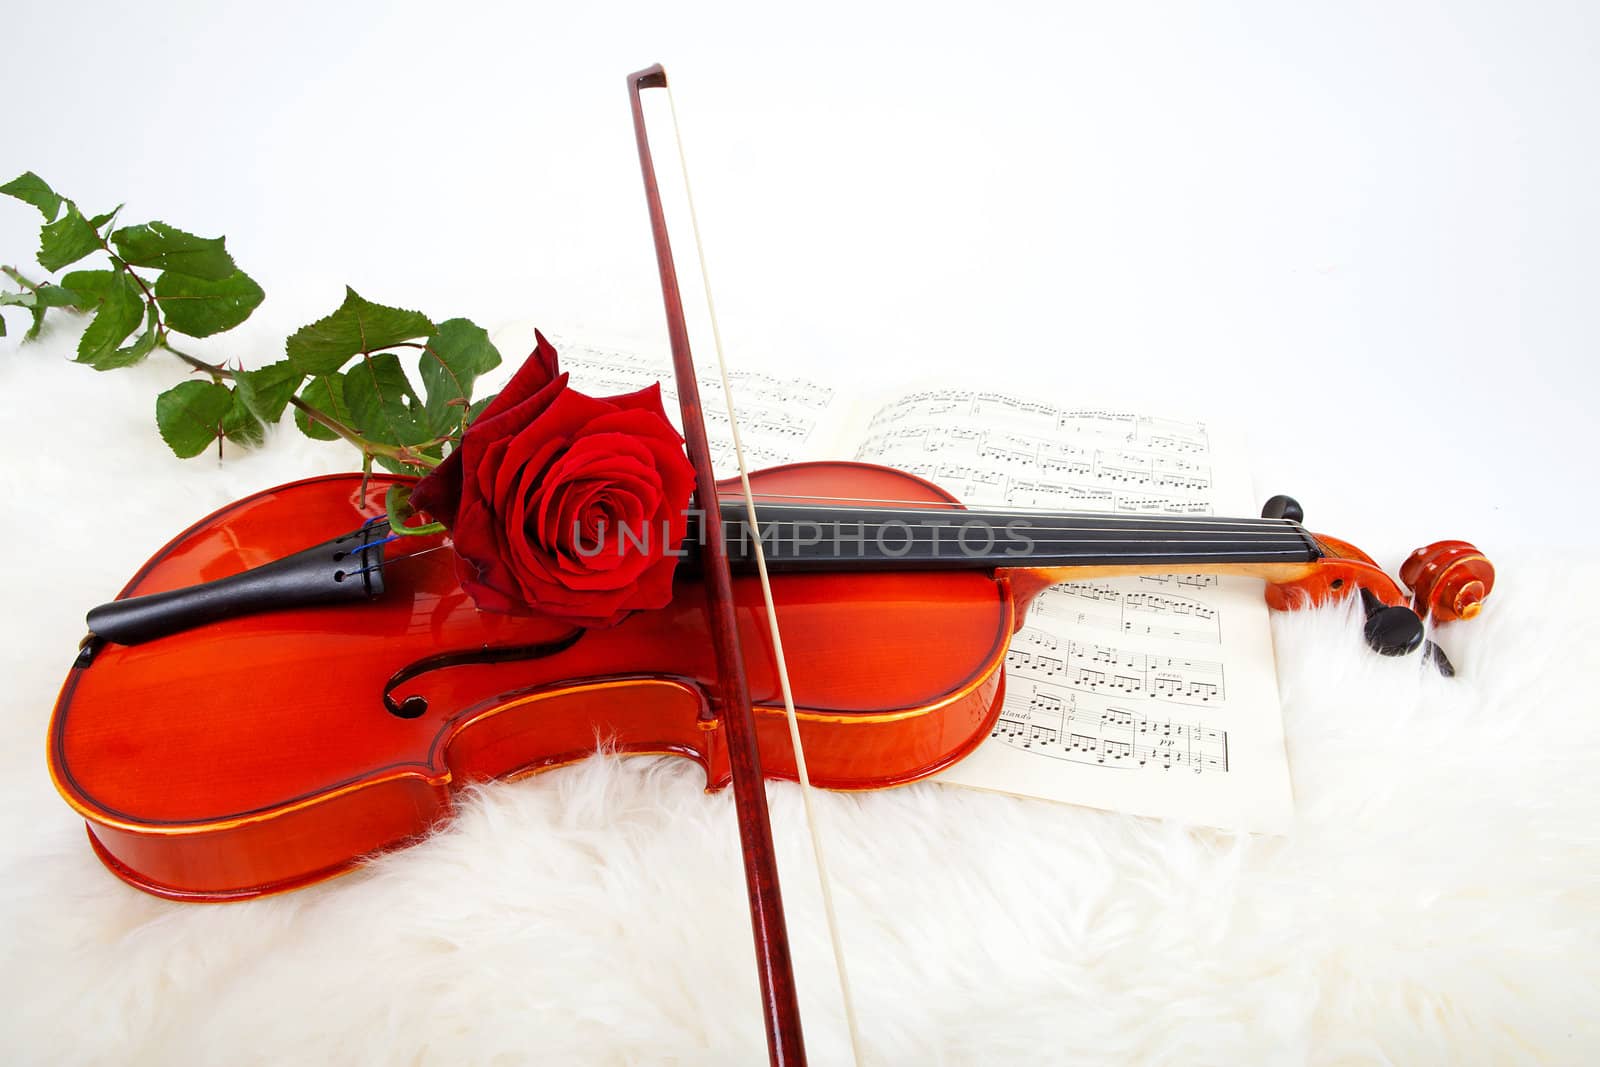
<point x="510" y="475"/>
<point x="575" y="519"/>
<point x="439" y="492"/>
<point x="534" y="480"/>
<point x="647" y="401"/>
<point x="536" y="372"/>
<point x="653" y="587"/>
<point x="567" y="414"/>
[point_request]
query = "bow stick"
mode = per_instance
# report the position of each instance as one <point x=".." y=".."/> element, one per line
<point x="785" y="1044"/>
<point x="784" y="1040"/>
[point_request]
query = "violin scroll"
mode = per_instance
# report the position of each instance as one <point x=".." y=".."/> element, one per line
<point x="1448" y="580"/>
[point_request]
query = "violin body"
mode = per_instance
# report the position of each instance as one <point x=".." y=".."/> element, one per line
<point x="257" y="754"/>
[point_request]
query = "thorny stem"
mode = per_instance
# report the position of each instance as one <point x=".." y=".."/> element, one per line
<point x="412" y="454"/>
<point x="143" y="288"/>
<point x="21" y="279"/>
<point x="217" y="371"/>
<point x="399" y="453"/>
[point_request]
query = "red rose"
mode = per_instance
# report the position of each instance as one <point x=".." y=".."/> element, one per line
<point x="564" y="504"/>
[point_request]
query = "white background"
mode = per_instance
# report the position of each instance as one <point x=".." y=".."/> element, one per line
<point x="1366" y="233"/>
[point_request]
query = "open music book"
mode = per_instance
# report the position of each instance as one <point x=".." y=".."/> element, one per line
<point x="1155" y="696"/>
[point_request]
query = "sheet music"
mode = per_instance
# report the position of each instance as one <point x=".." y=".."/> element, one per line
<point x="781" y="419"/>
<point x="1155" y="696"/>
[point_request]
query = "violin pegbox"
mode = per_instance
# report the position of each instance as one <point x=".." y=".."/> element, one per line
<point x="1448" y="580"/>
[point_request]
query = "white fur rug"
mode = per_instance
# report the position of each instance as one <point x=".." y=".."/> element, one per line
<point x="1437" y="902"/>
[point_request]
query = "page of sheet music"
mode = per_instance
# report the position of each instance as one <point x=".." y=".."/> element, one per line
<point x="781" y="419"/>
<point x="1155" y="696"/>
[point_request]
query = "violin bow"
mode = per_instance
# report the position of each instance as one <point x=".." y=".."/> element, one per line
<point x="785" y="1043"/>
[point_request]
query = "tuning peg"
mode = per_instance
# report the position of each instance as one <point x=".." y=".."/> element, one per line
<point x="1449" y="579"/>
<point x="1390" y="630"/>
<point x="1432" y="653"/>
<point x="1283" y="507"/>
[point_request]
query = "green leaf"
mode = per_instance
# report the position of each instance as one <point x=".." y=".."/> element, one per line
<point x="199" y="307"/>
<point x="266" y="392"/>
<point x="100" y="220"/>
<point x="358" y="327"/>
<point x="162" y="247"/>
<point x="55" y="296"/>
<point x="240" y="424"/>
<point x="66" y="240"/>
<point x="89" y="287"/>
<point x="382" y="403"/>
<point x="36" y="301"/>
<point x="31" y="189"/>
<point x="190" y="415"/>
<point x="325" y="393"/>
<point x="49" y="296"/>
<point x="457" y="353"/>
<point x="121" y="306"/>
<point x="142" y="346"/>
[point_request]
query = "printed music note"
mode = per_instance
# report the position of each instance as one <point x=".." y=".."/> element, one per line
<point x="778" y="417"/>
<point x="1110" y="675"/>
<point x="1166" y="679"/>
<point x="1052" y="725"/>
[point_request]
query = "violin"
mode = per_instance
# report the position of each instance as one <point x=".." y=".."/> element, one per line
<point x="271" y="748"/>
<point x="252" y="714"/>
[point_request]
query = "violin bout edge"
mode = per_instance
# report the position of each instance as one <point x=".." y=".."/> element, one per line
<point x="312" y="839"/>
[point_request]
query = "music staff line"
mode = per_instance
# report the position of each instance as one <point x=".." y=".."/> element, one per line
<point x="995" y="488"/>
<point x="1102" y="606"/>
<point x="1093" y="668"/>
<point x="1022" y="452"/>
<point x="1164" y="434"/>
<point x="1115" y="737"/>
<point x="612" y="370"/>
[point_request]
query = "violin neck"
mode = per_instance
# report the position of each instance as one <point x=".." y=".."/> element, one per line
<point x="808" y="537"/>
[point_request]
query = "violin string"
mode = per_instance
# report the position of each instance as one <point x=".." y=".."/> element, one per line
<point x="1022" y="556"/>
<point x="852" y="505"/>
<point x="1031" y="533"/>
<point x="1119" y="550"/>
<point x="891" y="538"/>
<point x="1214" y="550"/>
<point x="848" y="503"/>
<point x="772" y="615"/>
<point x="1090" y="526"/>
<point x="874" y="519"/>
<point x="1062" y="523"/>
<point x="380" y="563"/>
<point x="905" y="535"/>
<point x="1173" y="564"/>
